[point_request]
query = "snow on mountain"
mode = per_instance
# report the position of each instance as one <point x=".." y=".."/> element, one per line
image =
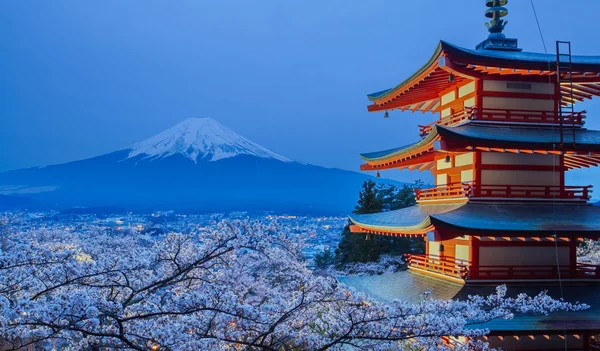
<point x="200" y="138"/>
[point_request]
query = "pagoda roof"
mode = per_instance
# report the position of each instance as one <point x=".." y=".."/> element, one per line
<point x="543" y="138"/>
<point x="426" y="143"/>
<point x="473" y="217"/>
<point x="414" y="219"/>
<point x="518" y="59"/>
<point x="420" y="91"/>
<point x="522" y="324"/>
<point x="484" y="135"/>
<point x="410" y="287"/>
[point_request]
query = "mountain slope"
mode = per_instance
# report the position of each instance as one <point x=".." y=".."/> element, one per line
<point x="197" y="165"/>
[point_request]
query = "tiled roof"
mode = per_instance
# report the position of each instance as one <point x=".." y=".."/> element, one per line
<point x="405" y="285"/>
<point x="518" y="59"/>
<point x="566" y="219"/>
<point x="570" y="321"/>
<point x="497" y="58"/>
<point x="519" y="136"/>
<point x="409" y="218"/>
<point x="509" y="137"/>
<point x="408" y="286"/>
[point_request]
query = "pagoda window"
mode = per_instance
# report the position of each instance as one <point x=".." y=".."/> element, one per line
<point x="516" y="103"/>
<point x="433" y="249"/>
<point x="521" y="178"/>
<point x="441" y="179"/>
<point x="467" y="176"/>
<point x="469" y="103"/>
<point x="442" y="164"/>
<point x="446" y="112"/>
<point x="522" y="256"/>
<point x="495" y="158"/>
<point x="466" y="89"/>
<point x="461" y="254"/>
<point x="448" y="97"/>
<point x="524" y="87"/>
<point x="464" y="159"/>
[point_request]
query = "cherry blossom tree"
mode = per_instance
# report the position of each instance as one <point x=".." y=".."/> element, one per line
<point x="589" y="252"/>
<point x="237" y="286"/>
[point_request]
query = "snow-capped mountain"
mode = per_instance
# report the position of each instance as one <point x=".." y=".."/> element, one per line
<point x="196" y="165"/>
<point x="200" y="138"/>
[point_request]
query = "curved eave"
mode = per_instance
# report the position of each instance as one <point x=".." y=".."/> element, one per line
<point x="382" y="95"/>
<point x="413" y="220"/>
<point x="420" y="229"/>
<point x="522" y="219"/>
<point x="411" y="94"/>
<point x="517" y="137"/>
<point x="379" y="157"/>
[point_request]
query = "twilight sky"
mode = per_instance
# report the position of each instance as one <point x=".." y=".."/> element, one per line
<point x="83" y="78"/>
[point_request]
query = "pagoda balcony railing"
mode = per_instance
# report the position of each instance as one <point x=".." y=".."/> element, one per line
<point x="510" y="191"/>
<point x="579" y="271"/>
<point x="461" y="269"/>
<point x="450" y="191"/>
<point x="445" y="266"/>
<point x="507" y="116"/>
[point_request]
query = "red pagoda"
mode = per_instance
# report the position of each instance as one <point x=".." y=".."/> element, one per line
<point x="500" y="211"/>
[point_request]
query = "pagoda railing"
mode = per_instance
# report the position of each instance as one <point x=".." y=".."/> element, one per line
<point x="450" y="191"/>
<point x="580" y="271"/>
<point x="507" y="116"/>
<point x="445" y="266"/>
<point x="510" y="191"/>
<point x="452" y="267"/>
<point x="462" y="191"/>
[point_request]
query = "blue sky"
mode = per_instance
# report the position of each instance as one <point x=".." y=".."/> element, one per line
<point x="83" y="78"/>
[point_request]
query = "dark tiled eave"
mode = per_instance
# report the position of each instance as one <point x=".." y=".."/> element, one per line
<point x="509" y="219"/>
<point x="495" y="58"/>
<point x="497" y="136"/>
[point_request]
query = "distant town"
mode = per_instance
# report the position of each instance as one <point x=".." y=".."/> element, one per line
<point x="318" y="233"/>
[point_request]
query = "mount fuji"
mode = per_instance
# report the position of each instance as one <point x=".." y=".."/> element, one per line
<point x="197" y="165"/>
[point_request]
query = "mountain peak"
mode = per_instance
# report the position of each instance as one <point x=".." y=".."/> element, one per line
<point x="200" y="138"/>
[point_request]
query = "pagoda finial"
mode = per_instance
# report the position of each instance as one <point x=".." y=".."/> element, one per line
<point x="496" y="11"/>
<point x="497" y="40"/>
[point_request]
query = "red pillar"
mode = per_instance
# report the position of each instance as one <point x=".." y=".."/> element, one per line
<point x="573" y="257"/>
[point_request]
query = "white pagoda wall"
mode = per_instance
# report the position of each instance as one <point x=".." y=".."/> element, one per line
<point x="519" y="177"/>
<point x="529" y="101"/>
<point x="522" y="256"/>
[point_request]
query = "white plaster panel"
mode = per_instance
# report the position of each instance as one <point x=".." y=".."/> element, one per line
<point x="469" y="102"/>
<point x="466" y="176"/>
<point x="501" y="85"/>
<point x="446" y="112"/>
<point x="522" y="256"/>
<point x="461" y="253"/>
<point x="518" y="104"/>
<point x="448" y="97"/>
<point x="496" y="177"/>
<point x="442" y="164"/>
<point x="434" y="248"/>
<point x="466" y="89"/>
<point x="441" y="179"/>
<point x="464" y="159"/>
<point x="497" y="158"/>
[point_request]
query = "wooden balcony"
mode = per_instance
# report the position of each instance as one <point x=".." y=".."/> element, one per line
<point x="444" y="192"/>
<point x="507" y="116"/>
<point x="444" y="266"/>
<point x="451" y="267"/>
<point x="464" y="191"/>
<point x="580" y="271"/>
<point x="545" y="192"/>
